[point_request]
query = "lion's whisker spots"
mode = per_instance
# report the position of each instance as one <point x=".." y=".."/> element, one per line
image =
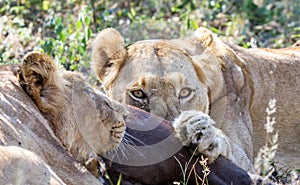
<point x="117" y="126"/>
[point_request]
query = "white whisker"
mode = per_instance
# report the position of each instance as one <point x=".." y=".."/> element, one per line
<point x="133" y="148"/>
<point x="122" y="149"/>
<point x="136" y="139"/>
<point x="115" y="153"/>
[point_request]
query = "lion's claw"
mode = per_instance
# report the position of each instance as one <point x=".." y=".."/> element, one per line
<point x="197" y="128"/>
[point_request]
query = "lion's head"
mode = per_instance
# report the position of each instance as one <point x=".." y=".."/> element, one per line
<point x="82" y="118"/>
<point x="160" y="76"/>
<point x="168" y="77"/>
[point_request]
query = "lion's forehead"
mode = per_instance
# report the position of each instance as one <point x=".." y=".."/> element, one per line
<point x="153" y="81"/>
<point x="159" y="58"/>
<point x="157" y="48"/>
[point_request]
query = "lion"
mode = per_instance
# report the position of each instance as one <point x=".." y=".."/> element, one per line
<point x="215" y="93"/>
<point x="55" y="129"/>
<point x="65" y="116"/>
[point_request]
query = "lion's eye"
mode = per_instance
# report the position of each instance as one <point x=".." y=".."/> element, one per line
<point x="185" y="92"/>
<point x="138" y="94"/>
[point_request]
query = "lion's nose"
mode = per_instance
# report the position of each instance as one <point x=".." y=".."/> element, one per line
<point x="164" y="108"/>
<point x="158" y="107"/>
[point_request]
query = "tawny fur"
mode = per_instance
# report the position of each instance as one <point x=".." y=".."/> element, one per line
<point x="231" y="84"/>
<point x="79" y="120"/>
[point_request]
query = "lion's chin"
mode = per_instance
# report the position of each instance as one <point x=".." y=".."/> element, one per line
<point x="110" y="147"/>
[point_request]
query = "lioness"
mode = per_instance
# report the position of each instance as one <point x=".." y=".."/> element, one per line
<point x="75" y="119"/>
<point x="217" y="92"/>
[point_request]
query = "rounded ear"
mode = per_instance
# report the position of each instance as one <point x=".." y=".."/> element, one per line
<point x="39" y="78"/>
<point x="204" y="37"/>
<point x="37" y="70"/>
<point x="202" y="40"/>
<point x="108" y="55"/>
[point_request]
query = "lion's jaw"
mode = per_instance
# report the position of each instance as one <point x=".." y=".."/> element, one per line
<point x="160" y="88"/>
<point x="85" y="127"/>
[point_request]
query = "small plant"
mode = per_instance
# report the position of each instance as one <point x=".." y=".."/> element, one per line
<point x="106" y="175"/>
<point x="206" y="170"/>
<point x="187" y="174"/>
<point x="267" y="153"/>
<point x="264" y="163"/>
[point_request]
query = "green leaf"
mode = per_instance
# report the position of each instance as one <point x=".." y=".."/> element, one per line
<point x="78" y="25"/>
<point x="188" y="24"/>
<point x="4" y="8"/>
<point x="58" y="29"/>
<point x="295" y="36"/>
<point x="87" y="20"/>
<point x="218" y="6"/>
<point x="57" y="20"/>
<point x="88" y="33"/>
<point x="63" y="60"/>
<point x="132" y="11"/>
<point x="48" y="46"/>
<point x="194" y="24"/>
<point x="73" y="67"/>
<point x="119" y="179"/>
<point x="215" y="30"/>
<point x="45" y="5"/>
<point x="63" y="36"/>
<point x="175" y="9"/>
<point x="106" y="175"/>
<point x="130" y="16"/>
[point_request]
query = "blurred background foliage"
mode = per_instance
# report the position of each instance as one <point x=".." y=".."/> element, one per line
<point x="64" y="29"/>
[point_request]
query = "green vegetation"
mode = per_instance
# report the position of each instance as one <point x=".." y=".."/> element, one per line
<point x="63" y="29"/>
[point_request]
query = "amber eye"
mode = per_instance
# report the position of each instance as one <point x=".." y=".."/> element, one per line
<point x="138" y="94"/>
<point x="185" y="92"/>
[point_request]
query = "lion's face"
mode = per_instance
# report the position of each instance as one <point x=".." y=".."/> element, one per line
<point x="83" y="118"/>
<point x="160" y="76"/>
<point x="166" y="84"/>
<point x="100" y="120"/>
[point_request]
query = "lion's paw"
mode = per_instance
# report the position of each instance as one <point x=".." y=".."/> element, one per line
<point x="197" y="128"/>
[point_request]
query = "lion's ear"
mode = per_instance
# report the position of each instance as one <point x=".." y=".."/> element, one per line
<point x="36" y="72"/>
<point x="210" y="53"/>
<point x="202" y="40"/>
<point x="108" y="55"/>
<point x="229" y="61"/>
<point x="205" y="40"/>
<point x="39" y="78"/>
